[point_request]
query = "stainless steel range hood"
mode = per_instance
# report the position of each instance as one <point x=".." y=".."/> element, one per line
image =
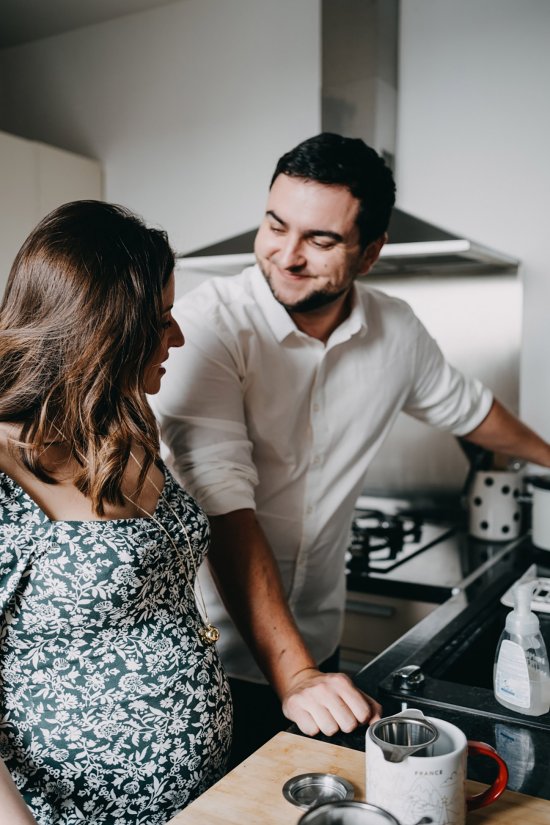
<point x="414" y="247"/>
<point x="418" y="247"/>
<point x="359" y="99"/>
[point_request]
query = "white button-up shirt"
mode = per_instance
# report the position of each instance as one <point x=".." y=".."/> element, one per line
<point x="257" y="414"/>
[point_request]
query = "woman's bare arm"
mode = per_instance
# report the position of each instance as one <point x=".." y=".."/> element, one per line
<point x="13" y="810"/>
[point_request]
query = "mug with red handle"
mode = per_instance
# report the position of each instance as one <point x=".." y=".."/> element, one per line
<point x="429" y="783"/>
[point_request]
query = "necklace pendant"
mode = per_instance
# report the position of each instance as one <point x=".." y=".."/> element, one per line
<point x="209" y="634"/>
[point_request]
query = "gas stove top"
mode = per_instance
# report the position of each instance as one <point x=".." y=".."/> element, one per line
<point x="382" y="542"/>
<point x="400" y="542"/>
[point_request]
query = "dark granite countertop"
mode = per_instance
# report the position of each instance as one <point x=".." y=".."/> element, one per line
<point x="523" y="742"/>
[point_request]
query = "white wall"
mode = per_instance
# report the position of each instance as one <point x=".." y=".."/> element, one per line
<point x="35" y="179"/>
<point x="187" y="106"/>
<point x="473" y="138"/>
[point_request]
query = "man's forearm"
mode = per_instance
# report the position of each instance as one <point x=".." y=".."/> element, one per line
<point x="249" y="583"/>
<point x="502" y="432"/>
<point x="248" y="579"/>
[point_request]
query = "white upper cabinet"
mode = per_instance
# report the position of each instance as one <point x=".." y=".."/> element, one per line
<point x="34" y="179"/>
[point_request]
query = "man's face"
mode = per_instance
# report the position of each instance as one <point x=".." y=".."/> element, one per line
<point x="308" y="243"/>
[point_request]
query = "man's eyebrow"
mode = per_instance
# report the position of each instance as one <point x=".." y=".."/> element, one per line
<point x="311" y="233"/>
<point x="271" y="214"/>
<point x="324" y="233"/>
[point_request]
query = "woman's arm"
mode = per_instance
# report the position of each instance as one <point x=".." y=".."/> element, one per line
<point x="13" y="810"/>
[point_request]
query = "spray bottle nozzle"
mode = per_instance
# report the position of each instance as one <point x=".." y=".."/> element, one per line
<point x="523" y="593"/>
<point x="522" y="621"/>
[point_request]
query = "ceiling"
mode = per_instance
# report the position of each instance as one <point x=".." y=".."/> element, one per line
<point x="22" y="21"/>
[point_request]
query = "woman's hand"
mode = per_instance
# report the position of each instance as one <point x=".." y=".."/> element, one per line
<point x="327" y="702"/>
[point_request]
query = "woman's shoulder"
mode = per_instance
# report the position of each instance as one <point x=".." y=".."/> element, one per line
<point x="175" y="493"/>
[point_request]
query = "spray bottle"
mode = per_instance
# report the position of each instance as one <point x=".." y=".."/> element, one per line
<point x="521" y="674"/>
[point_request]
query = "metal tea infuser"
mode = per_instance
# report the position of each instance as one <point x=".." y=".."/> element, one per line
<point x="401" y="736"/>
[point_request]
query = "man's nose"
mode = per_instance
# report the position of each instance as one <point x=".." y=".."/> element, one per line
<point x="291" y="253"/>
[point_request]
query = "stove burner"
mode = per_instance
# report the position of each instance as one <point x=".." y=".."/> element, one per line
<point x="375" y="531"/>
<point x="379" y="537"/>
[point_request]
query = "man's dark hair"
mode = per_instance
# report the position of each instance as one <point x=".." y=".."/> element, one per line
<point x="333" y="159"/>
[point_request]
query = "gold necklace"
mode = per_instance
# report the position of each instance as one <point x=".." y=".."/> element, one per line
<point x="208" y="632"/>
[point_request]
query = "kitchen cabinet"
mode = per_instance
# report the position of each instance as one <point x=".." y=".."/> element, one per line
<point x="35" y="179"/>
<point x="372" y="623"/>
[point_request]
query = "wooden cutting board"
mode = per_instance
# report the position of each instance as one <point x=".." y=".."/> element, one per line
<point x="252" y="792"/>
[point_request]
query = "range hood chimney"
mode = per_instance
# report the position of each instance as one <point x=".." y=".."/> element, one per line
<point x="359" y="99"/>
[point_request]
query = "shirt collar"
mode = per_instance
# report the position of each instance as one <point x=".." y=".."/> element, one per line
<point x="282" y="324"/>
<point x="277" y="317"/>
<point x="355" y="323"/>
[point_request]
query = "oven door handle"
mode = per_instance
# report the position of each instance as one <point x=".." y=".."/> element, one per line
<point x="382" y="611"/>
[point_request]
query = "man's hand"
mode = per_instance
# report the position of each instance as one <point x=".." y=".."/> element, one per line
<point x="327" y="702"/>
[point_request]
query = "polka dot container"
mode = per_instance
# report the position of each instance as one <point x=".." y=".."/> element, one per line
<point x="494" y="505"/>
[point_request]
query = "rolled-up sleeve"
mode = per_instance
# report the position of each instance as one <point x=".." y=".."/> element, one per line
<point x="201" y="415"/>
<point x="441" y="395"/>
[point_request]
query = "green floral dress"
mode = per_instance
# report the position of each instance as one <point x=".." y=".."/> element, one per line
<point x="112" y="709"/>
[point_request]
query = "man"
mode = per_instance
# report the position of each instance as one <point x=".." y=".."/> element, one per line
<point x="291" y="377"/>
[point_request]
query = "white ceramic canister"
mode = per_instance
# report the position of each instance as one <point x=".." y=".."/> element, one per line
<point x="540" y="518"/>
<point x="494" y="509"/>
<point x="433" y="785"/>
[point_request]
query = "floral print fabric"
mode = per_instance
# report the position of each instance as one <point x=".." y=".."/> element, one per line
<point x="112" y="709"/>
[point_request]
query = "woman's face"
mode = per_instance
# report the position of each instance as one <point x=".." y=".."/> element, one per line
<point x="171" y="337"/>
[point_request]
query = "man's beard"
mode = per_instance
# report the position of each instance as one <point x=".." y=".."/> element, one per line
<point x="313" y="302"/>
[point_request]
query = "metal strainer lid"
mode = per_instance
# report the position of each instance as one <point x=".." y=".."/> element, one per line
<point x="309" y="789"/>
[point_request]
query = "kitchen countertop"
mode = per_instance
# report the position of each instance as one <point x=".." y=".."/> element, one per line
<point x="524" y="744"/>
<point x="252" y="792"/>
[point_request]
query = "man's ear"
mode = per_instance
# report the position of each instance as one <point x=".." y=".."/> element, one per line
<point x="372" y="253"/>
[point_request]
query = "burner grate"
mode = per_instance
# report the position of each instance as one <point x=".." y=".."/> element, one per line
<point x="379" y="537"/>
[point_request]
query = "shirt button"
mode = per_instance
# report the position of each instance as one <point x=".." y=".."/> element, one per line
<point x="316" y="459"/>
<point x="316" y="408"/>
<point x="309" y="509"/>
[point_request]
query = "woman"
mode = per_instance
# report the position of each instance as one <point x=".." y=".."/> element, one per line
<point x="113" y="704"/>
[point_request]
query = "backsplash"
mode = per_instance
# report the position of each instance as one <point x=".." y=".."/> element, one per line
<point x="477" y="323"/>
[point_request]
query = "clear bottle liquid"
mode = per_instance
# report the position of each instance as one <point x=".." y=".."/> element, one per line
<point x="522" y="672"/>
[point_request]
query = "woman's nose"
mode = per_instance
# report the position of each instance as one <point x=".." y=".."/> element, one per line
<point x="176" y="339"/>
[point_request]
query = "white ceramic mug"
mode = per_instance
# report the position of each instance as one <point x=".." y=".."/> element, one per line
<point x="430" y="785"/>
<point x="494" y="505"/>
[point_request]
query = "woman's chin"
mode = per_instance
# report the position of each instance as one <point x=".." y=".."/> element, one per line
<point x="152" y="383"/>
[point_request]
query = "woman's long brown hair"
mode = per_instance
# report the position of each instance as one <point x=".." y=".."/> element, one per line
<point x="80" y="319"/>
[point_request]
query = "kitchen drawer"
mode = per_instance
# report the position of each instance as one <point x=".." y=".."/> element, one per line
<point x="372" y="623"/>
